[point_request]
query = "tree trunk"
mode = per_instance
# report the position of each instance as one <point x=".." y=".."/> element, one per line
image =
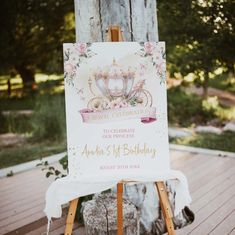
<point x="9" y="87"/>
<point x="205" y="85"/>
<point x="137" y="18"/>
<point x="100" y="216"/>
<point x="231" y="69"/>
<point x="27" y="76"/>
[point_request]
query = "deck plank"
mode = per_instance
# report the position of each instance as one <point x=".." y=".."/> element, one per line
<point x="226" y="226"/>
<point x="215" y="218"/>
<point x="212" y="194"/>
<point x="208" y="210"/>
<point x="211" y="182"/>
<point x="217" y="180"/>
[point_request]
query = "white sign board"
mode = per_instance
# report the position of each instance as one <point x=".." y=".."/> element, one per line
<point x="116" y="110"/>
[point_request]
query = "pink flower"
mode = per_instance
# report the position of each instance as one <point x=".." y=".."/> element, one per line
<point x="117" y="106"/>
<point x="149" y="47"/>
<point x="139" y="85"/>
<point x="69" y="68"/>
<point x="123" y="104"/>
<point x="161" y="67"/>
<point x="142" y="69"/>
<point x="81" y="48"/>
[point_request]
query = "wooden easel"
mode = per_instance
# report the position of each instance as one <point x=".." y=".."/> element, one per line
<point x="115" y="35"/>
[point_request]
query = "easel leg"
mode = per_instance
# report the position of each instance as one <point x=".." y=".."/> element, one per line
<point x="119" y="209"/>
<point x="71" y="216"/>
<point x="165" y="205"/>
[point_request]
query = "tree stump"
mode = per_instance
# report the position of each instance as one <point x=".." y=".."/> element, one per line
<point x="100" y="216"/>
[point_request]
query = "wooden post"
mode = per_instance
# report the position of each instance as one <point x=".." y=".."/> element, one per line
<point x="114" y="34"/>
<point x="119" y="209"/>
<point x="70" y="217"/>
<point x="166" y="208"/>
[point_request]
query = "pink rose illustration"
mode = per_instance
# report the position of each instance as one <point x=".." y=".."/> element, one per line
<point x="139" y="85"/>
<point x="149" y="47"/>
<point x="69" y="68"/>
<point x="161" y="67"/>
<point x="123" y="104"/>
<point x="81" y="48"/>
<point x="142" y="69"/>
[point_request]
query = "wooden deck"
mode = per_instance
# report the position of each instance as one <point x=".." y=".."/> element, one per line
<point x="211" y="182"/>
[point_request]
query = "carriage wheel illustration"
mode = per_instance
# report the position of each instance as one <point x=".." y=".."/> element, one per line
<point x="149" y="97"/>
<point x="140" y="97"/>
<point x="95" y="103"/>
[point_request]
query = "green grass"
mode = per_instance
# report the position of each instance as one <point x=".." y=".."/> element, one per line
<point x="48" y="120"/>
<point x="31" y="151"/>
<point x="44" y="84"/>
<point x="17" y="103"/>
<point x="16" y="124"/>
<point x="223" y="82"/>
<point x="186" y="109"/>
<point x="224" y="142"/>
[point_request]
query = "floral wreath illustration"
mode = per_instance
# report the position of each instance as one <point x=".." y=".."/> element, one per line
<point x="79" y="52"/>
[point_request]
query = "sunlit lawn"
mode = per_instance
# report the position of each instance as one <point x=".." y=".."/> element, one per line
<point x="223" y="82"/>
<point x="16" y="82"/>
<point x="27" y="152"/>
<point x="224" y="142"/>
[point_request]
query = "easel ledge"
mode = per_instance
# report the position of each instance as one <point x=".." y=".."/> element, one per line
<point x="115" y="35"/>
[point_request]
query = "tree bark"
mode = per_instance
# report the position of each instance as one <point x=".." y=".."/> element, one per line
<point x="100" y="216"/>
<point x="205" y="85"/>
<point x="231" y="69"/>
<point x="137" y="18"/>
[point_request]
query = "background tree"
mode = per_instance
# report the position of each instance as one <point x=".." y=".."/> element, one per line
<point x="199" y="36"/>
<point x="31" y="36"/>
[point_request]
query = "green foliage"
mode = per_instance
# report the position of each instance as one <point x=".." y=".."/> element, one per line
<point x="223" y="82"/>
<point x="210" y="105"/>
<point x="3" y="126"/>
<point x="186" y="109"/>
<point x="49" y="118"/>
<point x="79" y="215"/>
<point x="224" y="142"/>
<point x="10" y="174"/>
<point x="52" y="171"/>
<point x="30" y="151"/>
<point x="64" y="162"/>
<point x="15" y="123"/>
<point x="32" y="33"/>
<point x="225" y="113"/>
<point x="17" y="103"/>
<point x="199" y="36"/>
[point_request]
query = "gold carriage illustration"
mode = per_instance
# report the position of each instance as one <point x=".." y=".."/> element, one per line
<point x="118" y="89"/>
